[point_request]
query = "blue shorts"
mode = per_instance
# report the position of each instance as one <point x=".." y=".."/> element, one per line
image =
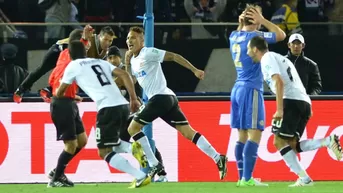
<point x="247" y="108"/>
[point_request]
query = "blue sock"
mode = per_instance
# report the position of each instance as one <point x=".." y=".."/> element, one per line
<point x="249" y="159"/>
<point x="239" y="158"/>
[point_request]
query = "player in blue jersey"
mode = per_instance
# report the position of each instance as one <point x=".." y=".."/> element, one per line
<point x="247" y="104"/>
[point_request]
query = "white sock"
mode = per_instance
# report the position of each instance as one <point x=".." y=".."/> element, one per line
<point x="207" y="148"/>
<point x="120" y="163"/>
<point x="312" y="144"/>
<point x="147" y="149"/>
<point x="124" y="147"/>
<point x="293" y="163"/>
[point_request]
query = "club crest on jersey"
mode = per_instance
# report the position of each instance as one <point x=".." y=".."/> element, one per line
<point x="141" y="74"/>
<point x="268" y="35"/>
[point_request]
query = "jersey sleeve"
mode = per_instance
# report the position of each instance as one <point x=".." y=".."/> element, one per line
<point x="156" y="54"/>
<point x="70" y="73"/>
<point x="270" y="65"/>
<point x="270" y="37"/>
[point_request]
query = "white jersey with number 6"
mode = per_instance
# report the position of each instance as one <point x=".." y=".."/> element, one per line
<point x="94" y="77"/>
<point x="274" y="63"/>
<point x="146" y="67"/>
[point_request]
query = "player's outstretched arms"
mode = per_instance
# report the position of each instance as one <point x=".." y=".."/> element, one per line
<point x="129" y="85"/>
<point x="257" y="18"/>
<point x="170" y="56"/>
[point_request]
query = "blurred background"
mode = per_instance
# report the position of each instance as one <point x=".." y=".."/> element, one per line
<point x="196" y="29"/>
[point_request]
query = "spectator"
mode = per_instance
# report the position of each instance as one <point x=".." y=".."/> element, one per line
<point x="57" y="12"/>
<point x="205" y="11"/>
<point x="74" y="15"/>
<point x="10" y="75"/>
<point x="286" y="17"/>
<point x="307" y="69"/>
<point x="335" y="14"/>
<point x="99" y="11"/>
<point x="179" y="14"/>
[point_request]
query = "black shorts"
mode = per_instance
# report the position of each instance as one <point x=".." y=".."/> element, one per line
<point x="164" y="106"/>
<point x="296" y="114"/>
<point x="110" y="122"/>
<point x="66" y="118"/>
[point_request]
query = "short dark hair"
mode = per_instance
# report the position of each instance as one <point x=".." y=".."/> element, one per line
<point x="76" y="50"/>
<point x="76" y="34"/>
<point x="259" y="42"/>
<point x="107" y="30"/>
<point x="137" y="29"/>
<point x="247" y="9"/>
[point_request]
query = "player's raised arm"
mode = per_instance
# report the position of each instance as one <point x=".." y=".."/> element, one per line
<point x="257" y="18"/>
<point x="240" y="21"/>
<point x="170" y="56"/>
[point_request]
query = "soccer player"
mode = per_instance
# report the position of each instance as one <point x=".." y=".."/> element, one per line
<point x="98" y="48"/>
<point x="247" y="104"/>
<point x="94" y="76"/>
<point x="293" y="109"/>
<point x="146" y="67"/>
<point x="65" y="116"/>
<point x="147" y="130"/>
<point x="114" y="57"/>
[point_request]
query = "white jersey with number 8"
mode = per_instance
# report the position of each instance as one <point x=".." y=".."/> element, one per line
<point x="94" y="77"/>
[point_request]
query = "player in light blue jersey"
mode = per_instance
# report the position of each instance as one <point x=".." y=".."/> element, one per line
<point x="247" y="104"/>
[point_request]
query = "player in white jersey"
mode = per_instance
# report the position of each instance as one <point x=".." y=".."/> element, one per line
<point x="162" y="102"/>
<point x="94" y="77"/>
<point x="293" y="109"/>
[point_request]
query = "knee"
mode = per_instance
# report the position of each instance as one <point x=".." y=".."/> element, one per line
<point x="242" y="136"/>
<point x="279" y="142"/>
<point x="102" y="152"/>
<point x="134" y="128"/>
<point x="82" y="141"/>
<point x="186" y="130"/>
<point x="295" y="145"/>
<point x="70" y="146"/>
<point x="255" y="135"/>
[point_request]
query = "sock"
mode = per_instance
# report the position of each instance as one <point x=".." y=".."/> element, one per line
<point x="77" y="151"/>
<point x="123" y="147"/>
<point x="159" y="158"/>
<point x="143" y="140"/>
<point x="62" y="163"/>
<point x="249" y="159"/>
<point x="205" y="146"/>
<point x="292" y="161"/>
<point x="239" y="158"/>
<point x="120" y="163"/>
<point x="312" y="144"/>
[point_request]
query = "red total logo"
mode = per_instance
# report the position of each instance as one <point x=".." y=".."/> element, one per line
<point x="212" y="120"/>
<point x="209" y="118"/>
